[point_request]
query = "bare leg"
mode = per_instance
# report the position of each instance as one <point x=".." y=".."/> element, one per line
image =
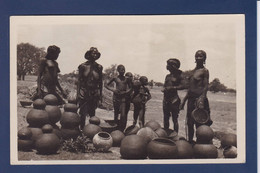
<point x="166" y="116"/>
<point x="123" y="117"/>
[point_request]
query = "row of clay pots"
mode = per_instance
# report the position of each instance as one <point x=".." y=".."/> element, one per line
<point x="229" y="144"/>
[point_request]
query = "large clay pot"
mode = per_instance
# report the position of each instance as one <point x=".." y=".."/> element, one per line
<point x="48" y="143"/>
<point x="131" y="130"/>
<point x="204" y="134"/>
<point x="161" y="133"/>
<point x="91" y="130"/>
<point x="70" y="133"/>
<point x="36" y="133"/>
<point x="37" y="117"/>
<point x="69" y="107"/>
<point x="162" y="148"/>
<point x="205" y="151"/>
<point x="56" y="130"/>
<point x="147" y="133"/>
<point x="154" y="125"/>
<point x="108" y="126"/>
<point x="230" y="152"/>
<point x="54" y="113"/>
<point x="25" y="133"/>
<point x="51" y="99"/>
<point x="94" y="120"/>
<point x="133" y="147"/>
<point x="117" y="137"/>
<point x="229" y="140"/>
<point x="69" y="120"/>
<point x="185" y="150"/>
<point x="25" y="144"/>
<point x="102" y="141"/>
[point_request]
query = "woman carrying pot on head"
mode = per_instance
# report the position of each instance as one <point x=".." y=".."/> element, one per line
<point x="47" y="81"/>
<point x="89" y="89"/>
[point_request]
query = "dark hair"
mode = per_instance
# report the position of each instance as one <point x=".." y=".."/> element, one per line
<point x="129" y="74"/>
<point x="120" y="66"/>
<point x="201" y="52"/>
<point x="88" y="55"/>
<point x="52" y="52"/>
<point x="143" y="78"/>
<point x="174" y="61"/>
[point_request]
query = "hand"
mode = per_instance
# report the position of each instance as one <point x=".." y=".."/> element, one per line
<point x="200" y="102"/>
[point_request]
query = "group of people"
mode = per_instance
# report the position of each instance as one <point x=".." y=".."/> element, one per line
<point x="127" y="90"/>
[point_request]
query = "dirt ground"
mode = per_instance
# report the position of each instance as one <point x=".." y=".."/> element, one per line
<point x="223" y="114"/>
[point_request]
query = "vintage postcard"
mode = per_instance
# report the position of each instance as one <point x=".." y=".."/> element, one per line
<point x="174" y="65"/>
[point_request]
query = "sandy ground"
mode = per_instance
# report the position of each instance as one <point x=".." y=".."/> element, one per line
<point x="223" y="114"/>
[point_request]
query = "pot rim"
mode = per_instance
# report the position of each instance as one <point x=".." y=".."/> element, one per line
<point x="160" y="140"/>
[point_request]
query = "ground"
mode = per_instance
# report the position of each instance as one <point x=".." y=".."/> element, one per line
<point x="223" y="114"/>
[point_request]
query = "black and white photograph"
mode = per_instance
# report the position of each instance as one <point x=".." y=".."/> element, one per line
<point x="136" y="89"/>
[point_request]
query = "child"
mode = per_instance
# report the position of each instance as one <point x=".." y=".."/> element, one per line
<point x="171" y="100"/>
<point x="47" y="80"/>
<point x="140" y="97"/>
<point x="123" y="87"/>
<point x="197" y="92"/>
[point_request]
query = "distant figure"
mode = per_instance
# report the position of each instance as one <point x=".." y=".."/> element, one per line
<point x="140" y="97"/>
<point x="171" y="100"/>
<point x="123" y="88"/>
<point x="197" y="92"/>
<point x="47" y="80"/>
<point x="89" y="89"/>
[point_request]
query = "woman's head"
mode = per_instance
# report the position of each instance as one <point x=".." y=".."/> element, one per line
<point x="200" y="56"/>
<point x="53" y="52"/>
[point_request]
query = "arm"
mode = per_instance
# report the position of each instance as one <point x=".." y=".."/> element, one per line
<point x="58" y="83"/>
<point x="100" y="82"/>
<point x="40" y="73"/>
<point x="200" y="101"/>
<point x="181" y="107"/>
<point x="110" y="88"/>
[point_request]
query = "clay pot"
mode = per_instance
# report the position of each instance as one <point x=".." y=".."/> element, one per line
<point x="72" y="99"/>
<point x="94" y="120"/>
<point x="69" y="120"/>
<point x="69" y="133"/>
<point x="108" y="126"/>
<point x="102" y="141"/>
<point x="154" y="125"/>
<point x="56" y="130"/>
<point x="204" y="134"/>
<point x="205" y="151"/>
<point x="25" y="133"/>
<point x="162" y="148"/>
<point x="48" y="143"/>
<point x="230" y="152"/>
<point x="176" y="138"/>
<point x="54" y="113"/>
<point x="185" y="150"/>
<point x="36" y="133"/>
<point x="25" y="144"/>
<point x="169" y="131"/>
<point x="37" y="118"/>
<point x="173" y="134"/>
<point x="133" y="147"/>
<point x="117" y="137"/>
<point x="229" y="140"/>
<point x="131" y="130"/>
<point x="161" y="133"/>
<point x="51" y="99"/>
<point x="39" y="104"/>
<point x="91" y="130"/>
<point x="147" y="133"/>
<point x="69" y="107"/>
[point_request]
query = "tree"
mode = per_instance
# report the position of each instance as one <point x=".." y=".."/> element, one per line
<point x="28" y="58"/>
<point x="216" y="86"/>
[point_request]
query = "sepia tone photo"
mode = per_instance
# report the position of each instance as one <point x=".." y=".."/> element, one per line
<point x="166" y="89"/>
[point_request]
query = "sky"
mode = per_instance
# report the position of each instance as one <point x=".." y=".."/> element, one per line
<point x="141" y="44"/>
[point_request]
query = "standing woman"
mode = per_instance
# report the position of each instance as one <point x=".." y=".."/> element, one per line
<point x="47" y="80"/>
<point x="89" y="89"/>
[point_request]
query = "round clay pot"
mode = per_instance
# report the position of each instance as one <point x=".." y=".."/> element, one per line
<point x="47" y="128"/>
<point x="133" y="147"/>
<point x="54" y="113"/>
<point x="229" y="140"/>
<point x="91" y="130"/>
<point x="25" y="145"/>
<point x="39" y="104"/>
<point x="205" y="151"/>
<point x="117" y="137"/>
<point x="161" y="133"/>
<point x="69" y="133"/>
<point x="37" y="118"/>
<point x="162" y="148"/>
<point x="69" y="120"/>
<point x="48" y="143"/>
<point x="69" y="107"/>
<point x="154" y="125"/>
<point x="230" y="152"/>
<point x="108" y="126"/>
<point x="169" y="131"/>
<point x="102" y="141"/>
<point x="72" y="99"/>
<point x="56" y="130"/>
<point x="204" y="134"/>
<point x="147" y="133"/>
<point x="25" y="133"/>
<point x="185" y="150"/>
<point x="36" y="133"/>
<point x="173" y="134"/>
<point x="94" y="120"/>
<point x="51" y="99"/>
<point x="131" y="130"/>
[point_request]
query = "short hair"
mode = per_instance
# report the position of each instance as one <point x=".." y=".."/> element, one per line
<point x="143" y="79"/>
<point x="52" y="50"/>
<point x="119" y="66"/>
<point x="201" y="52"/>
<point x="129" y="74"/>
<point x="174" y="61"/>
